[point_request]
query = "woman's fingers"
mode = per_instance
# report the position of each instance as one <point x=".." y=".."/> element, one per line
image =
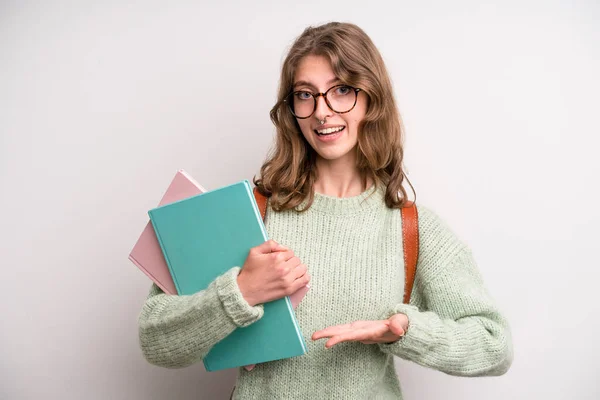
<point x="349" y="336"/>
<point x="331" y="331"/>
<point x="299" y="271"/>
<point x="269" y="246"/>
<point x="367" y="332"/>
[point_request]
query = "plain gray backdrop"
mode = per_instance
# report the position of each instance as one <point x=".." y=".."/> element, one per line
<point x="101" y="103"/>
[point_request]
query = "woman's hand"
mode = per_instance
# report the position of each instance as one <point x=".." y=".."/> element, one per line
<point x="270" y="272"/>
<point x="367" y="332"/>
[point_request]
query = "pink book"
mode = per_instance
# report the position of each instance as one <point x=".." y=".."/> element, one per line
<point x="147" y="253"/>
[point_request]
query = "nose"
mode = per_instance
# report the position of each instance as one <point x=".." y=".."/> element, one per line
<point x="322" y="111"/>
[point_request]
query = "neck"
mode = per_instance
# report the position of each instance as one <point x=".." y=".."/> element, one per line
<point x="339" y="178"/>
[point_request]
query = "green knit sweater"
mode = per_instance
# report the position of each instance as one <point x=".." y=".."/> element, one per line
<point x="353" y="249"/>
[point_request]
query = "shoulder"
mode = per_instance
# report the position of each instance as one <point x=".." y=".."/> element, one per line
<point x="438" y="242"/>
<point x="434" y="229"/>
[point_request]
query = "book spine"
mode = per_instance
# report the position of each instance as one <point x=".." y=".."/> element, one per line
<point x="288" y="302"/>
<point x="256" y="210"/>
<point x="295" y="322"/>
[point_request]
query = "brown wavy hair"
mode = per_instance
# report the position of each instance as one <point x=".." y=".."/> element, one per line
<point x="288" y="174"/>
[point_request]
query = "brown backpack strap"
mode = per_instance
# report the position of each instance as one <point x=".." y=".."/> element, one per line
<point x="261" y="201"/>
<point x="410" y="241"/>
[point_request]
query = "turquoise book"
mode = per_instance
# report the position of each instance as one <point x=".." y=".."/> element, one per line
<point x="204" y="236"/>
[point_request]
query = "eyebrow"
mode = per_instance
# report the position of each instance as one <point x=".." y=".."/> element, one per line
<point x="306" y="83"/>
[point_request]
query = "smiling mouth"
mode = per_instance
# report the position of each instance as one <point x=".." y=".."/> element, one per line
<point x="329" y="131"/>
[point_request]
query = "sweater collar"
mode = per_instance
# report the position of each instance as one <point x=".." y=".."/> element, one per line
<point x="370" y="198"/>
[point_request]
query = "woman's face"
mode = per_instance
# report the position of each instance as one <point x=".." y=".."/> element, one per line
<point x="336" y="139"/>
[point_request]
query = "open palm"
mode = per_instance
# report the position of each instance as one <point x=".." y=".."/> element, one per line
<point x="368" y="332"/>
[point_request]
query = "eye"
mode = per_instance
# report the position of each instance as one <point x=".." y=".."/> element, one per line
<point x="303" y="95"/>
<point x="343" y="90"/>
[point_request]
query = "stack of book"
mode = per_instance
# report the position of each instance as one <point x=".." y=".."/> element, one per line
<point x="194" y="236"/>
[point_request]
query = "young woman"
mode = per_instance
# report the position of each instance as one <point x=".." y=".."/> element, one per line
<point x="334" y="183"/>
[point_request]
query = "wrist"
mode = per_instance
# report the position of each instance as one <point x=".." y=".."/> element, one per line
<point x="246" y="293"/>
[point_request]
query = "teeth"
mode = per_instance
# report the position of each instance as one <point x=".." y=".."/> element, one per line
<point x="330" y="130"/>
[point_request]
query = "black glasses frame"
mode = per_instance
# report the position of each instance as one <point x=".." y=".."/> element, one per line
<point x="289" y="100"/>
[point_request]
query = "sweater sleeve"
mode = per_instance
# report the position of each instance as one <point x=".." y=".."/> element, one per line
<point x="454" y="325"/>
<point x="177" y="331"/>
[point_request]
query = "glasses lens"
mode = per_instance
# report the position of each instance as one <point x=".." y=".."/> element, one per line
<point x="302" y="104"/>
<point x="341" y="98"/>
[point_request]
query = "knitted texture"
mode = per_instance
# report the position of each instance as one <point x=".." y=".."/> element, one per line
<point x="353" y="250"/>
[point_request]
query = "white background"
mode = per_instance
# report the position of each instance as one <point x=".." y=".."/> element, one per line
<point x="101" y="102"/>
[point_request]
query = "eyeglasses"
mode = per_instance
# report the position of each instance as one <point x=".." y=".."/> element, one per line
<point x="340" y="99"/>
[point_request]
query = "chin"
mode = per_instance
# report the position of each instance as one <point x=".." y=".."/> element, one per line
<point x="335" y="156"/>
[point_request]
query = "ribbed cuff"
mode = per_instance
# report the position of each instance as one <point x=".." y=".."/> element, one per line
<point x="241" y="313"/>
<point x="418" y="337"/>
